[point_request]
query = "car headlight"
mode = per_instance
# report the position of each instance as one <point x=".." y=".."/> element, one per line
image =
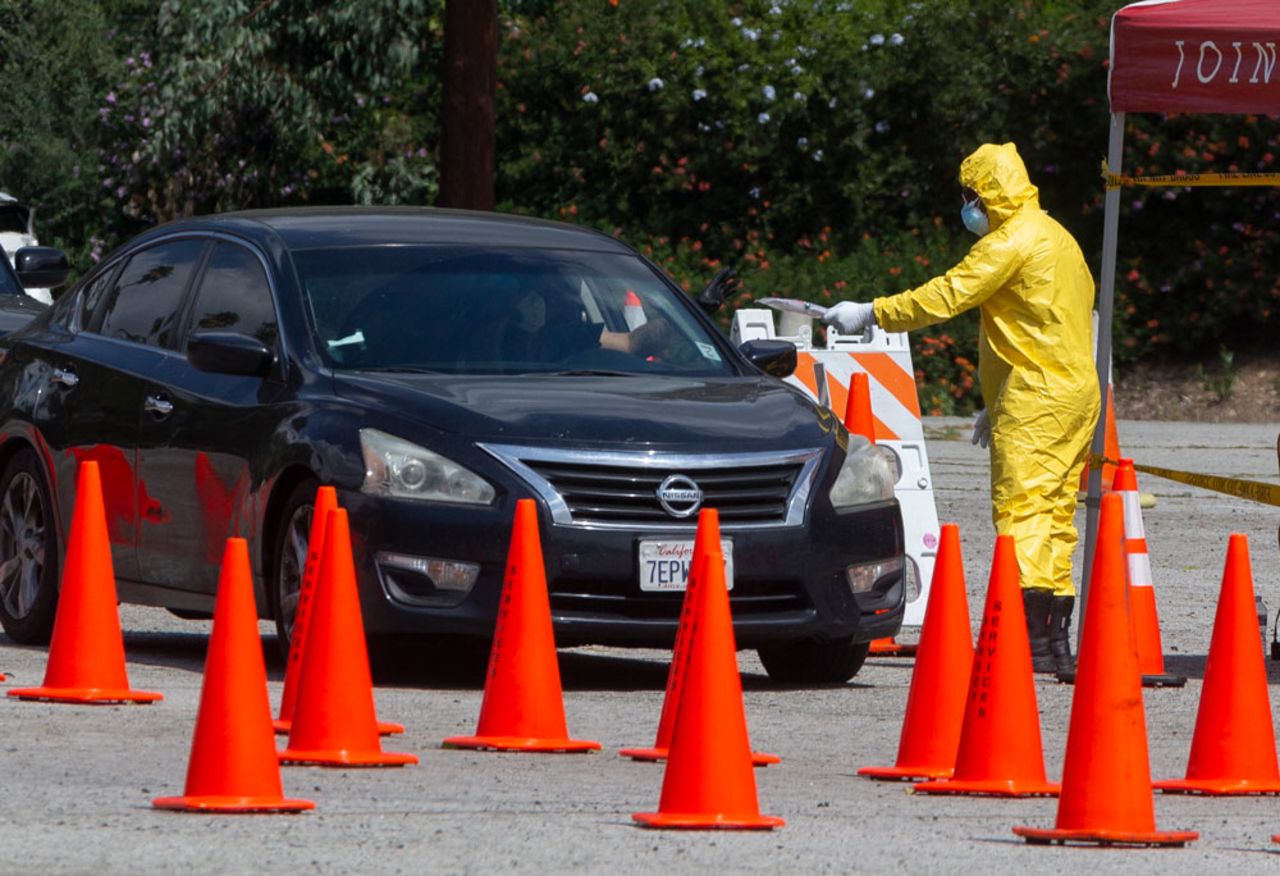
<point x="866" y="476"/>
<point x="398" y="468"/>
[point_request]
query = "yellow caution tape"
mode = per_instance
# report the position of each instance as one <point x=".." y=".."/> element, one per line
<point x="1115" y="180"/>
<point x="1257" y="491"/>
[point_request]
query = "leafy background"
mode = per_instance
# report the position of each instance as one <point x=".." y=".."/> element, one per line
<point x="812" y="144"/>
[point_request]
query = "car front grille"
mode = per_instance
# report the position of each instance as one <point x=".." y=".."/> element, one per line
<point x="621" y="490"/>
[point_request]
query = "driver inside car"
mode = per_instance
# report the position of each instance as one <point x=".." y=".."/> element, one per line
<point x="549" y="325"/>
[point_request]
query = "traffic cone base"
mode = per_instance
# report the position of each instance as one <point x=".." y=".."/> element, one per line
<point x="385" y="728"/>
<point x="1163" y="680"/>
<point x="990" y="787"/>
<point x="1223" y="787"/>
<point x="653" y="755"/>
<point x="230" y="805"/>
<point x="906" y="773"/>
<point x="714" y="821"/>
<point x="891" y="647"/>
<point x="1155" y="838"/>
<point x="330" y="757"/>
<point x="86" y="695"/>
<point x="520" y="743"/>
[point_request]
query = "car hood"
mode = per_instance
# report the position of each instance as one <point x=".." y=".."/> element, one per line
<point x="628" y="411"/>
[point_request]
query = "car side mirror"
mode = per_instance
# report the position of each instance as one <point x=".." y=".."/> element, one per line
<point x="229" y="353"/>
<point x="771" y="356"/>
<point x="41" y="267"/>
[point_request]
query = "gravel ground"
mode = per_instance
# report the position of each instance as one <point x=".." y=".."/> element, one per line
<point x="79" y="780"/>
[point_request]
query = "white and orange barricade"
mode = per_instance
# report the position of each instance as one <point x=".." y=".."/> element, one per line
<point x="895" y="407"/>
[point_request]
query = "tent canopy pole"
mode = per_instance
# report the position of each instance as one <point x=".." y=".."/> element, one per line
<point x="1106" y="302"/>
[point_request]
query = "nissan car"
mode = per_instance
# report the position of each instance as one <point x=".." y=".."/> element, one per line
<point x="435" y="367"/>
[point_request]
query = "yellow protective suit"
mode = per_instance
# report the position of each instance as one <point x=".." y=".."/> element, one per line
<point x="1035" y="364"/>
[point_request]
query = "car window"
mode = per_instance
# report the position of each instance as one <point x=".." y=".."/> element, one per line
<point x="75" y="311"/>
<point x="235" y="295"/>
<point x="14" y="219"/>
<point x="9" y="284"/>
<point x="148" y="295"/>
<point x="463" y="310"/>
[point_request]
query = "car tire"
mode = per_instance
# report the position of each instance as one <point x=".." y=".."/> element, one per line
<point x="810" y="661"/>
<point x="28" y="552"/>
<point x="289" y="557"/>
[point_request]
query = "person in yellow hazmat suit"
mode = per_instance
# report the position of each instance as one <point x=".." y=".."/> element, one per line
<point x="1035" y="293"/>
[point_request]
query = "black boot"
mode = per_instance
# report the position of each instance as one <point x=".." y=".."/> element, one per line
<point x="1036" y="601"/>
<point x="1060" y="632"/>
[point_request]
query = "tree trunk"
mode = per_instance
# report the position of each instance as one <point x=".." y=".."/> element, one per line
<point x="467" y="150"/>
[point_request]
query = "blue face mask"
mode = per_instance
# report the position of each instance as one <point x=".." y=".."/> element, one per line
<point x="974" y="219"/>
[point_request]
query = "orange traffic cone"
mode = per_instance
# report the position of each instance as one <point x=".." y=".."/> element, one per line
<point x="1000" y="751"/>
<point x="86" y="654"/>
<point x="706" y="540"/>
<point x="1106" y="787"/>
<point x="326" y="501"/>
<point x="858" y="420"/>
<point x="1142" y="594"/>
<point x="523" y="705"/>
<point x="633" y="311"/>
<point x="1110" y="450"/>
<point x="1234" y="747"/>
<point x="857" y="407"/>
<point x="334" y="721"/>
<point x="708" y="782"/>
<point x="935" y="704"/>
<point x="233" y="765"/>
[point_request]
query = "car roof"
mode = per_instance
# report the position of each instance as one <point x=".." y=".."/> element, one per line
<point x="312" y="227"/>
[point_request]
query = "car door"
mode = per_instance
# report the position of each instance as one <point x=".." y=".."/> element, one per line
<point x="204" y="454"/>
<point x="93" y="401"/>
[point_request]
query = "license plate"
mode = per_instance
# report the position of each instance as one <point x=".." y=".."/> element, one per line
<point x="664" y="565"/>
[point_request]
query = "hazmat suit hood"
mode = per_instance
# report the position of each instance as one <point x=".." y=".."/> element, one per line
<point x="1000" y="178"/>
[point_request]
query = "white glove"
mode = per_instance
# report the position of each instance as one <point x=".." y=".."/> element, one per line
<point x="850" y="317"/>
<point x="981" y="429"/>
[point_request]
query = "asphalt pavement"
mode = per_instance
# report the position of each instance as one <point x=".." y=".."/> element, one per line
<point x="79" y="780"/>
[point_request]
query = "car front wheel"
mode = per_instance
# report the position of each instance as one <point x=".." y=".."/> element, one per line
<point x="28" y="552"/>
<point x="810" y="661"/>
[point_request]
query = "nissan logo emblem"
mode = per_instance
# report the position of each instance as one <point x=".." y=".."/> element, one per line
<point x="679" y="496"/>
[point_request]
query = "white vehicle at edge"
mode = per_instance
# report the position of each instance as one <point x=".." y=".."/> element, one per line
<point x="17" y="229"/>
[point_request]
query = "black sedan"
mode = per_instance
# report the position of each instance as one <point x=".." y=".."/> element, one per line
<point x="435" y="367"/>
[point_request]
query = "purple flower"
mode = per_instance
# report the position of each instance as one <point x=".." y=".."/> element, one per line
<point x="111" y="97"/>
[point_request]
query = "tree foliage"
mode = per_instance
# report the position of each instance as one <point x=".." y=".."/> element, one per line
<point x="266" y="102"/>
<point x="814" y="144"/>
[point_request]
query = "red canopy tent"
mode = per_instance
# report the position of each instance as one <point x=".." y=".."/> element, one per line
<point x="1175" y="56"/>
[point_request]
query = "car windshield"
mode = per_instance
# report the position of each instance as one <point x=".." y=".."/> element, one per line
<point x="464" y="310"/>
